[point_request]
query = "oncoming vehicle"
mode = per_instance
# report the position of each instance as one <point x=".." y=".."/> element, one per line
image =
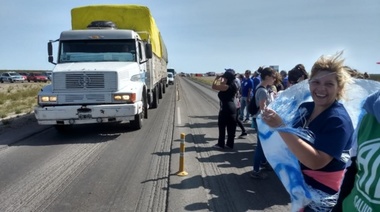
<point x="170" y="78"/>
<point x="105" y="71"/>
<point x="172" y="70"/>
<point x="11" y="77"/>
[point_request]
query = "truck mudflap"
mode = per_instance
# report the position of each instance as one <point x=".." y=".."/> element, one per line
<point x="77" y="114"/>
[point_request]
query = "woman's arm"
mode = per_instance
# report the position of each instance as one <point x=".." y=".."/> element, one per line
<point x="305" y="153"/>
<point x="261" y="96"/>
<point x="219" y="84"/>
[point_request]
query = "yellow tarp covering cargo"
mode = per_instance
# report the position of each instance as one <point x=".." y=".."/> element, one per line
<point x="134" y="17"/>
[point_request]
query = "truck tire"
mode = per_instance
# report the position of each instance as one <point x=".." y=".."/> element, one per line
<point x="155" y="98"/>
<point x="163" y="88"/>
<point x="136" y="124"/>
<point x="145" y="105"/>
<point x="160" y="90"/>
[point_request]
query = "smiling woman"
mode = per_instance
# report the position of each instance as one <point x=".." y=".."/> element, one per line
<point x="322" y="161"/>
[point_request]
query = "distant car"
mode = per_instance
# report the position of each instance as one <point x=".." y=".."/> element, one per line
<point x="170" y="78"/>
<point x="36" y="77"/>
<point x="48" y="74"/>
<point x="11" y="77"/>
<point x="210" y="74"/>
<point x="24" y="75"/>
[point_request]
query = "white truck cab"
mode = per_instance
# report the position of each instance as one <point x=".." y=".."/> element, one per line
<point x="100" y="76"/>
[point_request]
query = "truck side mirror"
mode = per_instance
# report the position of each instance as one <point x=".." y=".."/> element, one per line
<point x="50" y="53"/>
<point x="148" y="51"/>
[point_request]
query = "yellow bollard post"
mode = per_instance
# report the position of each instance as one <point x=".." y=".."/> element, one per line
<point x="182" y="171"/>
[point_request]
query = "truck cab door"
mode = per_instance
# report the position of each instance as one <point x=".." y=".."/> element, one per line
<point x="142" y="60"/>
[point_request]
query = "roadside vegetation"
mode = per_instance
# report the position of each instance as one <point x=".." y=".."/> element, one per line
<point x="18" y="98"/>
<point x="205" y="80"/>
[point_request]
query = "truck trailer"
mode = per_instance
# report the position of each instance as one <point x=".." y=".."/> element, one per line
<point x="110" y="67"/>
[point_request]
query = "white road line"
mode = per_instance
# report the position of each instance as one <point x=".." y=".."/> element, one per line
<point x="179" y="115"/>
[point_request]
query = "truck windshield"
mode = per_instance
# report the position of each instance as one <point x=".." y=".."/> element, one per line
<point x="97" y="51"/>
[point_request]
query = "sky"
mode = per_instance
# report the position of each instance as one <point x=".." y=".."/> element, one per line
<point x="211" y="35"/>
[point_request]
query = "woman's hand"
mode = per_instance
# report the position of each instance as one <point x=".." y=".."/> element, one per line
<point x="219" y="83"/>
<point x="271" y="118"/>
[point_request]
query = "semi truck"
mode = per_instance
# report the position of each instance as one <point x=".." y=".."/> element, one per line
<point x="110" y="67"/>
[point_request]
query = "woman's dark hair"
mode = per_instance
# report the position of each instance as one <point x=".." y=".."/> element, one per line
<point x="229" y="75"/>
<point x="260" y="69"/>
<point x="296" y="73"/>
<point x="268" y="71"/>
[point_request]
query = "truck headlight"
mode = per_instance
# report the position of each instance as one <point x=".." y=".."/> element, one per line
<point x="125" y="97"/>
<point x="48" y="99"/>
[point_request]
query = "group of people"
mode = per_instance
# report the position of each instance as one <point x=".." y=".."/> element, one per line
<point x="322" y="162"/>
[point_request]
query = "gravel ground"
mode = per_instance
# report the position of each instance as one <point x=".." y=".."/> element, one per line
<point x="16" y="122"/>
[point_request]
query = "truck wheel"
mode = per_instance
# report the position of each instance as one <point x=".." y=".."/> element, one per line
<point x="145" y="105"/>
<point x="137" y="123"/>
<point x="155" y="98"/>
<point x="163" y="88"/>
<point x="160" y="90"/>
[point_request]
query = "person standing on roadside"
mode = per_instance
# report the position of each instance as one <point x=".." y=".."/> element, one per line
<point x="284" y="78"/>
<point x="246" y="91"/>
<point x="256" y="81"/>
<point x="322" y="161"/>
<point x="237" y="103"/>
<point x="278" y="83"/>
<point x="361" y="180"/>
<point x="366" y="75"/>
<point x="297" y="74"/>
<point x="262" y="98"/>
<point x="227" y="87"/>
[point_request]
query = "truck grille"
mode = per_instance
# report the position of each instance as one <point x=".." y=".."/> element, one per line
<point x="84" y="88"/>
<point x="86" y="81"/>
<point x="76" y="82"/>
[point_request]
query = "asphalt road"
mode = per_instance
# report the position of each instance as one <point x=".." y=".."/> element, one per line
<point x="112" y="168"/>
<point x="217" y="180"/>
